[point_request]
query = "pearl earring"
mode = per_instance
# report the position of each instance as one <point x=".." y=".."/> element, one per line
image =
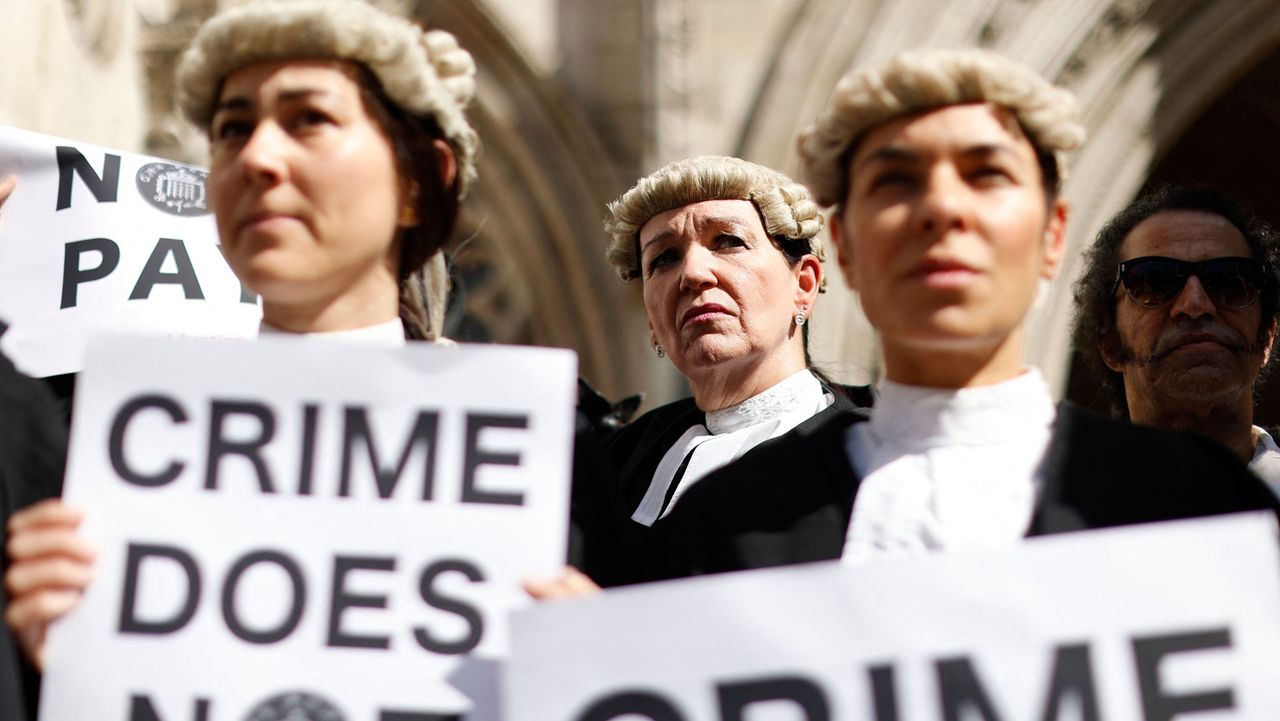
<point x="657" y="348"/>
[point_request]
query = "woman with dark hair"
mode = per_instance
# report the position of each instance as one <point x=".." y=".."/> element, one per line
<point x="339" y="151"/>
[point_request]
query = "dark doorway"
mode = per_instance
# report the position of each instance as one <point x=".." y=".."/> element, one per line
<point x="1235" y="147"/>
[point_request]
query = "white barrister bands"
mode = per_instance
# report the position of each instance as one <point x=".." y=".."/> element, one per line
<point x="294" y="516"/>
<point x="1161" y="622"/>
<point x="97" y="239"/>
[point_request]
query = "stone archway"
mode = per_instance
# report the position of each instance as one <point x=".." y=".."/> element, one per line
<point x="1143" y="71"/>
<point x="532" y="264"/>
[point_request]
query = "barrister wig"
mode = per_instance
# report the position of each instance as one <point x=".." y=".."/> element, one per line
<point x="922" y="80"/>
<point x="416" y="84"/>
<point x="425" y="72"/>
<point x="789" y="216"/>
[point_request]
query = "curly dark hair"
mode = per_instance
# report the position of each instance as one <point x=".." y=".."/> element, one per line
<point x="1093" y="325"/>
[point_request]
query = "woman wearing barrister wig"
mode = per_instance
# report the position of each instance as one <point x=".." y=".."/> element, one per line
<point x="729" y="259"/>
<point x="943" y="168"/>
<point x="339" y="151"/>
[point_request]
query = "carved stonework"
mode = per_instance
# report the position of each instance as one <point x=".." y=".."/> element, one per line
<point x="1117" y="23"/>
<point x="168" y="26"/>
<point x="98" y="24"/>
<point x="674" y="99"/>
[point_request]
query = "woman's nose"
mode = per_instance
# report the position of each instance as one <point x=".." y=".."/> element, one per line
<point x="944" y="204"/>
<point x="262" y="155"/>
<point x="696" y="269"/>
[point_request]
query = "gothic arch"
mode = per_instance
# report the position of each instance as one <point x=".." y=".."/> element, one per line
<point x="535" y="253"/>
<point x="1143" y="70"/>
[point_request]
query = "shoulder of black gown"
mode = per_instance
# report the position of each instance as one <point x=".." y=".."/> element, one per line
<point x="33" y="439"/>
<point x="785" y="501"/>
<point x="854" y="396"/>
<point x="1102" y="472"/>
<point x="636" y="449"/>
<point x="33" y="449"/>
<point x="594" y="476"/>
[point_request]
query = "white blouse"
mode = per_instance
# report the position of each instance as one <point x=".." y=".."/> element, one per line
<point x="947" y="468"/>
<point x="387" y="335"/>
<point x="727" y="434"/>
<point x="1265" y="463"/>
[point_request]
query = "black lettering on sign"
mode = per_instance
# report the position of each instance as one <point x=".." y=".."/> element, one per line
<point x="306" y="469"/>
<point x="342" y="600"/>
<point x="959" y="689"/>
<point x="1072" y="676"/>
<point x="71" y="163"/>
<point x="801" y="692"/>
<point x="249" y="449"/>
<point x="297" y="599"/>
<point x="1158" y="704"/>
<point x="73" y="275"/>
<point x="184" y="275"/>
<point x="115" y="442"/>
<point x="475" y="622"/>
<point x="884" y="692"/>
<point x="476" y="457"/>
<point x="356" y="429"/>
<point x="389" y="715"/>
<point x="129" y="621"/>
<point x="246" y="295"/>
<point x="141" y="709"/>
<point x="651" y="705"/>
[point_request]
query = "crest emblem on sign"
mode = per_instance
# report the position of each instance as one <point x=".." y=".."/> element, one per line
<point x="175" y="189"/>
<point x="295" y="706"/>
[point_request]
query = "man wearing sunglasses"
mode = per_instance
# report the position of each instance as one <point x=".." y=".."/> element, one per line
<point x="1177" y="307"/>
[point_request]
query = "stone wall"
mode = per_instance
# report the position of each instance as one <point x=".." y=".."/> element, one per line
<point x="72" y="69"/>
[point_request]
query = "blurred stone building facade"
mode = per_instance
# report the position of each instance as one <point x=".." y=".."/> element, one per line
<point x="579" y="97"/>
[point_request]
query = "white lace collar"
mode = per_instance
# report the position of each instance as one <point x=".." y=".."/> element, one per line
<point x="801" y="389"/>
<point x="727" y="434"/>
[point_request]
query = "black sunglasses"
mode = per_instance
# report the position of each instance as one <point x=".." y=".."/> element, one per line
<point x="1153" y="280"/>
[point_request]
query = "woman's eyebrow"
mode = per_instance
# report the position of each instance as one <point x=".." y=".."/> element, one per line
<point x="983" y="150"/>
<point x="889" y="154"/>
<point x="234" y="103"/>
<point x="243" y="102"/>
<point x="661" y="236"/>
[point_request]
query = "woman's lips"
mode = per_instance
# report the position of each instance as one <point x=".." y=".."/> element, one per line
<point x="265" y="221"/>
<point x="943" y="273"/>
<point x="702" y="314"/>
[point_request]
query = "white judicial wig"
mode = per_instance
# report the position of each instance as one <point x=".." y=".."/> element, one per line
<point x="95" y="239"/>
<point x="291" y="525"/>
<point x="1144" y="623"/>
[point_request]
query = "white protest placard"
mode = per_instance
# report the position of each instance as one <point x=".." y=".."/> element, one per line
<point x="291" y="525"/>
<point x="1164" y="622"/>
<point x="95" y="239"/>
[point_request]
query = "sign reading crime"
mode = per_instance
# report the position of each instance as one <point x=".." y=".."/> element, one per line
<point x="94" y="239"/>
<point x="295" y="528"/>
<point x="1163" y="622"/>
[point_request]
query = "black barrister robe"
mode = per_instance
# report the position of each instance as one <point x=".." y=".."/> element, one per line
<point x="621" y="551"/>
<point x="792" y="500"/>
<point x="33" y="449"/>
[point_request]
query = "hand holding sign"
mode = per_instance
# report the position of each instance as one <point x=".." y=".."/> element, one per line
<point x="571" y="583"/>
<point x="51" y="564"/>
<point x="6" y="187"/>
